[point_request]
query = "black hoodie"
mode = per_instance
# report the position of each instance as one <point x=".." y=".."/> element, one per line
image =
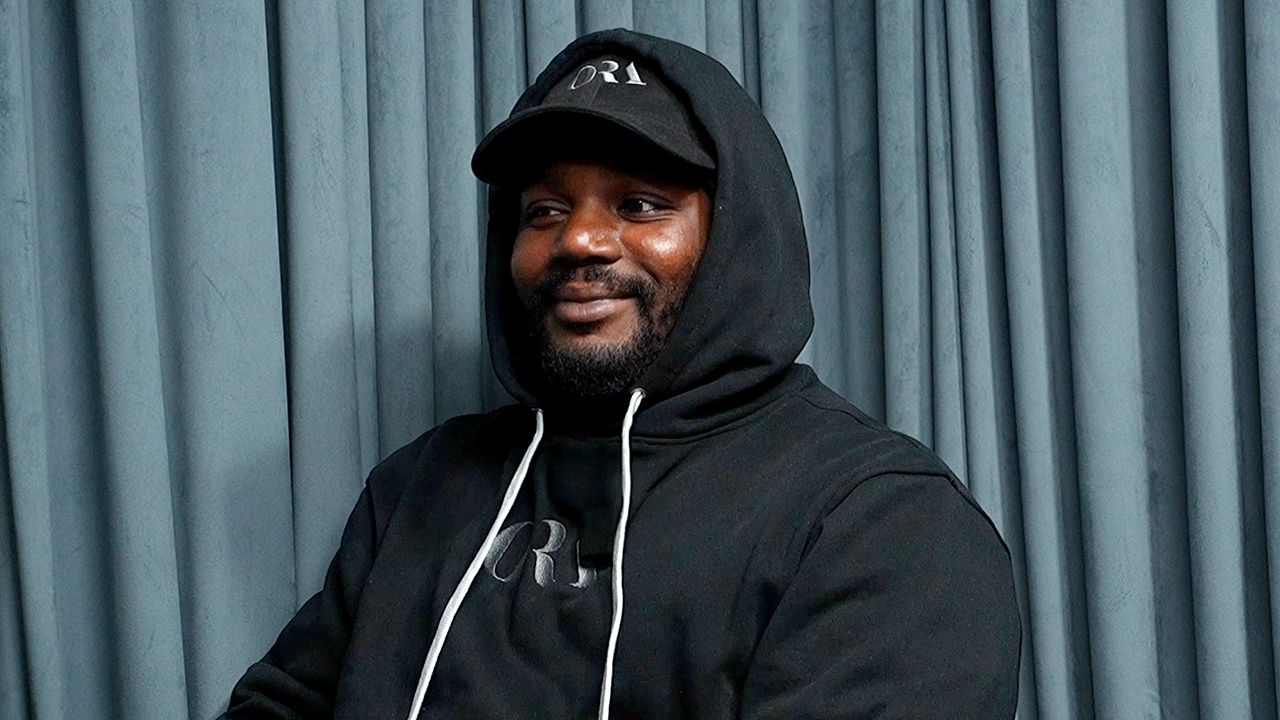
<point x="786" y="556"/>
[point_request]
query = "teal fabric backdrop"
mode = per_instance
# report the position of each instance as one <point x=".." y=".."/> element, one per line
<point x="239" y="263"/>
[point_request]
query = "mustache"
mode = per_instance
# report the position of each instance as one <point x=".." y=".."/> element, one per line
<point x="616" y="283"/>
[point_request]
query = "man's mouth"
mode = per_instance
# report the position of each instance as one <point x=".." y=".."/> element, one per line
<point x="572" y="312"/>
<point x="578" y="303"/>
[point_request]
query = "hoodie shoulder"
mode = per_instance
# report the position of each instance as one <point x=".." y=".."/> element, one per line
<point x="869" y="449"/>
<point x="875" y="448"/>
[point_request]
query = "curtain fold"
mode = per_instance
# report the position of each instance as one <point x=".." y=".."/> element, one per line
<point x="139" y="552"/>
<point x="1029" y="150"/>
<point x="241" y="261"/>
<point x="1219" y="361"/>
<point x="1262" y="67"/>
<point x="901" y="80"/>
<point x="323" y="209"/>
<point x="25" y="462"/>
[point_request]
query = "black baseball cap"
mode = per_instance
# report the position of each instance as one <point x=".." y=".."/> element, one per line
<point x="608" y="89"/>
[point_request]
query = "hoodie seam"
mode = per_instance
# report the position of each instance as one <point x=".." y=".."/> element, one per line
<point x="949" y="475"/>
<point x="875" y="427"/>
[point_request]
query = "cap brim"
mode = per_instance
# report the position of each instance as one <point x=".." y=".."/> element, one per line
<point x="517" y="145"/>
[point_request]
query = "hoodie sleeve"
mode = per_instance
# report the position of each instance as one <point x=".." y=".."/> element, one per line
<point x="903" y="607"/>
<point x="297" y="677"/>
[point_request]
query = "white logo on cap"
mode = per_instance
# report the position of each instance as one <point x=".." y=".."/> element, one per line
<point x="606" y="71"/>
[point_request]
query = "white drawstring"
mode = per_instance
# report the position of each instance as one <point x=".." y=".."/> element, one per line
<point x="455" y="600"/>
<point x="513" y="489"/>
<point x="619" y="542"/>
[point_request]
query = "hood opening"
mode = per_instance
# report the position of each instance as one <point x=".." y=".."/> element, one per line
<point x="747" y="314"/>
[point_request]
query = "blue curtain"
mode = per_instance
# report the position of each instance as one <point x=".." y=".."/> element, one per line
<point x="239" y="263"/>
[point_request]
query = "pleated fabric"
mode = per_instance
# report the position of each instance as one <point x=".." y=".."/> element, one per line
<point x="240" y="262"/>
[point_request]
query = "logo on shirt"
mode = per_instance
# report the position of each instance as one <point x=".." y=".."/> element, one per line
<point x="513" y="539"/>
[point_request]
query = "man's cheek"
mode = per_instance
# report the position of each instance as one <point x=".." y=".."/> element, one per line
<point x="523" y="269"/>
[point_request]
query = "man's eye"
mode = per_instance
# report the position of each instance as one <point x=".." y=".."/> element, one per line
<point x="638" y="206"/>
<point x="535" y="213"/>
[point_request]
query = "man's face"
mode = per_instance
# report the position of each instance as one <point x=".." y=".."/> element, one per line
<point x="602" y="261"/>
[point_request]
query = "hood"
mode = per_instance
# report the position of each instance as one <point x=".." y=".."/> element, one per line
<point x="747" y="315"/>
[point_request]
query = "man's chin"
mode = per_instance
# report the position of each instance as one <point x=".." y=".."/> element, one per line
<point x="589" y="344"/>
<point x="589" y="366"/>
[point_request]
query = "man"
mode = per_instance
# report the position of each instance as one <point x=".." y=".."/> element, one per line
<point x="676" y="519"/>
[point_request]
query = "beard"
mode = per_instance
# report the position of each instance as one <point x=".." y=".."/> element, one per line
<point x="608" y="372"/>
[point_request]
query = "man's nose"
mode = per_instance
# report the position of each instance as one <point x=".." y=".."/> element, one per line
<point x="591" y="234"/>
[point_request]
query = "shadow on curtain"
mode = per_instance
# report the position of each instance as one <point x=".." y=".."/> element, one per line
<point x="239" y="263"/>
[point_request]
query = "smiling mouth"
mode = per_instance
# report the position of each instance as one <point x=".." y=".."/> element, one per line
<point x="590" y="310"/>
